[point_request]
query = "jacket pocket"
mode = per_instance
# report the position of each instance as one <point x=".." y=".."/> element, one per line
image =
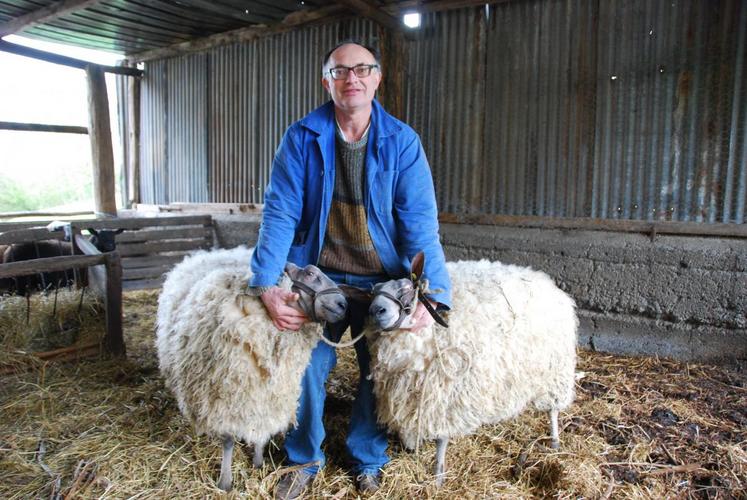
<point x="382" y="192"/>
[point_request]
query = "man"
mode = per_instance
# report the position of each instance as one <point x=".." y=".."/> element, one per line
<point x="350" y="191"/>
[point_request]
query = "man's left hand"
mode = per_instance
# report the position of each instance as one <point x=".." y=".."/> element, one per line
<point x="421" y="318"/>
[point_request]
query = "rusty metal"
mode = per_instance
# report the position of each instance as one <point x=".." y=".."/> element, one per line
<point x="603" y="110"/>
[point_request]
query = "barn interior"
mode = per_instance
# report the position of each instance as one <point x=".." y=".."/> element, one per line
<point x="603" y="143"/>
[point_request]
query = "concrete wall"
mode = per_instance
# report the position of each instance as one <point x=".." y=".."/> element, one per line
<point x="677" y="297"/>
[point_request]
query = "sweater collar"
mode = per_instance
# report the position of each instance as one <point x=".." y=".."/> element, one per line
<point x="322" y="120"/>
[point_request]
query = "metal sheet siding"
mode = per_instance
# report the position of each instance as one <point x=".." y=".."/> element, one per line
<point x="256" y="91"/>
<point x="153" y="133"/>
<point x="445" y="104"/>
<point x="623" y="109"/>
<point x="186" y="122"/>
<point x="670" y="100"/>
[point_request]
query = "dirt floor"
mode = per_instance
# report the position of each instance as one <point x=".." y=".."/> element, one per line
<point x="640" y="428"/>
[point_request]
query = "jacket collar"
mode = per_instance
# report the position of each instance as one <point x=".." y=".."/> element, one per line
<point x="322" y="120"/>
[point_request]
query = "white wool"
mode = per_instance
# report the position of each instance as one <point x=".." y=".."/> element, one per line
<point x="231" y="371"/>
<point x="511" y="343"/>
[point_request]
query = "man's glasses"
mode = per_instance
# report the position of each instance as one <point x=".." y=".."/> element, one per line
<point x="361" y="71"/>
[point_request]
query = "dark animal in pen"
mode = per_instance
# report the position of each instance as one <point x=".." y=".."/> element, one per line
<point x="103" y="239"/>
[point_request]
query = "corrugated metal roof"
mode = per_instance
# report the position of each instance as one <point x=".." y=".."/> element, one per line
<point x="133" y="26"/>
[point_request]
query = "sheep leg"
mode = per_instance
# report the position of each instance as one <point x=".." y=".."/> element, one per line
<point x="555" y="444"/>
<point x="441" y="444"/>
<point x="225" y="480"/>
<point x="259" y="450"/>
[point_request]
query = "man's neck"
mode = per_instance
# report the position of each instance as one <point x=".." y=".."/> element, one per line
<point x="353" y="125"/>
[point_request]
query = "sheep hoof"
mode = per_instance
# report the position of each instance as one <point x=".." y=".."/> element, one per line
<point x="224" y="484"/>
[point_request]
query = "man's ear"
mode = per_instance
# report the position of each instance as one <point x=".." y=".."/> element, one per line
<point x="325" y="83"/>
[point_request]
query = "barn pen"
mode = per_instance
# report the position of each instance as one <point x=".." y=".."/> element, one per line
<point x="600" y="142"/>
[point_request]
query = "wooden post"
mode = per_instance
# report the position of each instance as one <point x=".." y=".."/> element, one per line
<point x="393" y="69"/>
<point x="133" y="140"/>
<point x="114" y="341"/>
<point x="100" y="134"/>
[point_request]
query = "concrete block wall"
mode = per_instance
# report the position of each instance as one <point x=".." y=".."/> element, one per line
<point x="678" y="297"/>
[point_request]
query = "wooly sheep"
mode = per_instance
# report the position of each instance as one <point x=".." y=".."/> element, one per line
<point x="511" y="341"/>
<point x="234" y="375"/>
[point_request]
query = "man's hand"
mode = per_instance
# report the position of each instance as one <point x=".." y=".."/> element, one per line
<point x="283" y="316"/>
<point x="421" y="318"/>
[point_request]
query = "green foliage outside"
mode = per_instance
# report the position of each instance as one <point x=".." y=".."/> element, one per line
<point x="44" y="193"/>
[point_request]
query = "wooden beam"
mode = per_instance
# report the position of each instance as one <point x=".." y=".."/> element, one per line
<point x="114" y="341"/>
<point x="102" y="156"/>
<point x="49" y="264"/>
<point x="373" y="12"/>
<point x="291" y="21"/>
<point x="589" y="224"/>
<point x="394" y="68"/>
<point x="21" y="50"/>
<point x="436" y="5"/>
<point x="141" y="222"/>
<point x="133" y="141"/>
<point x="43" y="15"/>
<point x="40" y="127"/>
<point x="29" y="235"/>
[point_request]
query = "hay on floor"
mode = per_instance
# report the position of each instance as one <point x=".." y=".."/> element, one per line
<point x="49" y="324"/>
<point x="640" y="428"/>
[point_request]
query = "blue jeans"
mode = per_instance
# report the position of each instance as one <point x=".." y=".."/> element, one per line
<point x="366" y="441"/>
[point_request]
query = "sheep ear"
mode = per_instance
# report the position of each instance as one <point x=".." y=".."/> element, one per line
<point x="290" y="267"/>
<point x="356" y="294"/>
<point x="417" y="265"/>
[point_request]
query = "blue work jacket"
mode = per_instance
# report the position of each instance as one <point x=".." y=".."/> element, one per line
<point x="399" y="199"/>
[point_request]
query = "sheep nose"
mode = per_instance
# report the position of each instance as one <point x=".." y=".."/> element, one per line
<point x="378" y="311"/>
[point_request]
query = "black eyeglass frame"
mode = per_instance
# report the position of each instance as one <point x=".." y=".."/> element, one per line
<point x="365" y="68"/>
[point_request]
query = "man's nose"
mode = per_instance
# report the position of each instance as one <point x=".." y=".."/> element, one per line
<point x="351" y="76"/>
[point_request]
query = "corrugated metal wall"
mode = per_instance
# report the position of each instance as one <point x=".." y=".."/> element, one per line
<point x="187" y="126"/>
<point x="154" y="135"/>
<point x="212" y="122"/>
<point x="630" y="109"/>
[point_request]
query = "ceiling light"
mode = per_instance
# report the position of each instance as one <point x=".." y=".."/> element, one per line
<point x="411" y="19"/>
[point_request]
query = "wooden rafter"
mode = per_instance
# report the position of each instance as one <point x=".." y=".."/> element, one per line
<point x="373" y="12"/>
<point x="436" y="5"/>
<point x="291" y="21"/>
<point x="22" y="50"/>
<point x="43" y="15"/>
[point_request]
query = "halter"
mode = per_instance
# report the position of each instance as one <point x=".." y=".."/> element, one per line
<point x="406" y="310"/>
<point x="314" y="295"/>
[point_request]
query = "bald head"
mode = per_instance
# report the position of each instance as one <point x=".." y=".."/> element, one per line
<point x="327" y="57"/>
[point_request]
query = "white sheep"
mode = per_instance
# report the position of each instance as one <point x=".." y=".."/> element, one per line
<point x="511" y="341"/>
<point x="234" y="375"/>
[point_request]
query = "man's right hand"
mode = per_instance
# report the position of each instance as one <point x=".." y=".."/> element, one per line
<point x="284" y="317"/>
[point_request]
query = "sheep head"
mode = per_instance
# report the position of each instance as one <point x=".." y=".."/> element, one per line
<point x="393" y="303"/>
<point x="319" y="297"/>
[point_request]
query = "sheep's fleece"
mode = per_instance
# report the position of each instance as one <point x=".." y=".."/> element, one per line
<point x="511" y="342"/>
<point x="232" y="372"/>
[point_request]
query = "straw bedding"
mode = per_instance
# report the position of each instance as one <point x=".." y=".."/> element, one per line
<point x="639" y="428"/>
